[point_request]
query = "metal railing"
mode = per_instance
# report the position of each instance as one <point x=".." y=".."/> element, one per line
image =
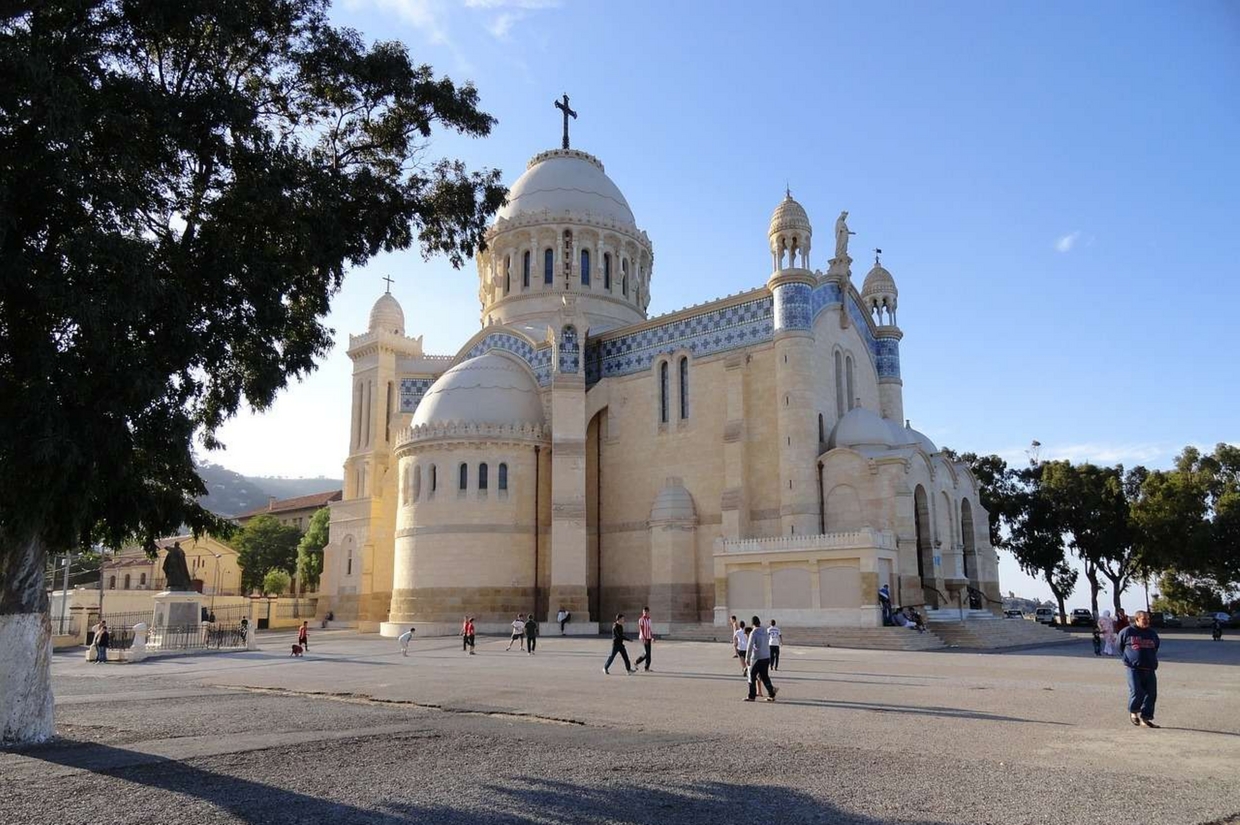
<point x="218" y="636"/>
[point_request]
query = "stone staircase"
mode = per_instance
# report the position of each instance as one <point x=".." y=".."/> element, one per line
<point x="987" y="632"/>
<point x="869" y="638"/>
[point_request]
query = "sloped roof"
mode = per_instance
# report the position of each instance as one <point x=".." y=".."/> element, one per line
<point x="299" y="503"/>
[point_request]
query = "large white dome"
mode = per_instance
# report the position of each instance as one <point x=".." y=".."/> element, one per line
<point x="489" y="389"/>
<point x="567" y="180"/>
<point x="862" y="428"/>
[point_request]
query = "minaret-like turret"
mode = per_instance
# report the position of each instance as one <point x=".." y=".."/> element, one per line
<point x="880" y="296"/>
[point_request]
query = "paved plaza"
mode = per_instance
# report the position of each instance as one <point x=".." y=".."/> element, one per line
<point x="354" y="732"/>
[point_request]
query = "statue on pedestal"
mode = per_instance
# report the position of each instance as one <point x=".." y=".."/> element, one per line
<point x="841" y="236"/>
<point x="176" y="571"/>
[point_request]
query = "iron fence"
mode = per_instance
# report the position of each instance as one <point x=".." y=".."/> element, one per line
<point x="120" y="628"/>
<point x="218" y="636"/>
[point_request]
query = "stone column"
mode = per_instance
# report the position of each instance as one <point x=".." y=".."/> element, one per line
<point x="569" y="546"/>
<point x="794" y="399"/>
<point x="735" y="502"/>
<point x="890" y="385"/>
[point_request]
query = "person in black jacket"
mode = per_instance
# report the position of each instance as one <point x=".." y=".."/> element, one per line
<point x="617" y="646"/>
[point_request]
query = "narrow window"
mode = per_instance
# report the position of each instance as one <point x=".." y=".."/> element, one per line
<point x="463" y="482"/>
<point x="821" y="430"/>
<point x="525" y="270"/>
<point x="482" y="476"/>
<point x="548" y="265"/>
<point x="624" y="277"/>
<point x="507" y="274"/>
<point x="684" y="387"/>
<point x="417" y="481"/>
<point x="663" y="392"/>
<point x="503" y="477"/>
<point x="585" y="267"/>
<point x="434" y="478"/>
<point x="387" y="422"/>
<point x="839" y="385"/>
<point x="852" y="394"/>
<point x="142" y="580"/>
<point x="111" y="582"/>
<point x="126" y="581"/>
<point x="607" y="271"/>
<point x="348" y="563"/>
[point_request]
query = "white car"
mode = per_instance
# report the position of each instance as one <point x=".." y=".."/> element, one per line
<point x="1044" y="615"/>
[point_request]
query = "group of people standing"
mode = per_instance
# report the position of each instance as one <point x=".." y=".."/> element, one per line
<point x="645" y="635"/>
<point x="758" y="649"/>
<point x="1106" y="632"/>
<point x="524" y="633"/>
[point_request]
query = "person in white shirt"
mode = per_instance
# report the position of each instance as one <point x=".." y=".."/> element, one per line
<point x="775" y="637"/>
<point x="404" y="640"/>
<point x="740" y="642"/>
<point x="562" y="617"/>
<point x="759" y="659"/>
<point x="518" y="632"/>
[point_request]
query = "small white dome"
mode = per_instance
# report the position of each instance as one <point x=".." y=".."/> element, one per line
<point x="862" y="428"/>
<point x="567" y="180"/>
<point x="387" y="315"/>
<point x="921" y="440"/>
<point x="489" y="389"/>
<point x="879" y="282"/>
<point x="789" y="217"/>
<point x="673" y="503"/>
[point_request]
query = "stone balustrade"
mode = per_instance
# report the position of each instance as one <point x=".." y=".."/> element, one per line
<point x="838" y="540"/>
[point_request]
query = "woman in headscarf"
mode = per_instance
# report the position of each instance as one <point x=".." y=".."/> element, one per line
<point x="1107" y="625"/>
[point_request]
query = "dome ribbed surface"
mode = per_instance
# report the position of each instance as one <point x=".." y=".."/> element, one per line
<point x="387" y="315"/>
<point x="789" y="216"/>
<point x="879" y="282"/>
<point x="488" y="389"/>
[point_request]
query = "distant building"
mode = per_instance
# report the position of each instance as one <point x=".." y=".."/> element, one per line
<point x="295" y="512"/>
<point x="131" y="569"/>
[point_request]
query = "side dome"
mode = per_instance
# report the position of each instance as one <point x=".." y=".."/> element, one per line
<point x="879" y="282"/>
<point x="862" y="428"/>
<point x="488" y="389"/>
<point x="789" y="216"/>
<point x="921" y="440"/>
<point x="387" y="315"/>
<point x="673" y="503"/>
<point x="567" y="180"/>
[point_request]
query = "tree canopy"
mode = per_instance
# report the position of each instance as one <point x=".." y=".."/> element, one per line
<point x="263" y="544"/>
<point x="310" y="548"/>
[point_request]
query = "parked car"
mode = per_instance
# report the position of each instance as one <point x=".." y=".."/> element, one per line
<point x="1013" y="614"/>
<point x="1172" y="620"/>
<point x="1044" y="615"/>
<point x="1158" y="618"/>
<point x="1081" y="617"/>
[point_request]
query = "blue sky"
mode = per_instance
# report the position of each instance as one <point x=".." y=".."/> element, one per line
<point x="1055" y="186"/>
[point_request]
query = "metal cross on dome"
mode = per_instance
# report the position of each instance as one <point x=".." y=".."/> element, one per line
<point x="389" y="283"/>
<point x="563" y="107"/>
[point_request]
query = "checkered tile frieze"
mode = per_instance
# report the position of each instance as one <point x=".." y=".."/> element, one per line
<point x="739" y="325"/>
<point x="411" y="392"/>
<point x="887" y="357"/>
<point x="570" y="351"/>
<point x="793" y="306"/>
<point x="538" y="359"/>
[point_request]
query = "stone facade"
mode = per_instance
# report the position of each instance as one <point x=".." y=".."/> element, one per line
<point x="747" y="455"/>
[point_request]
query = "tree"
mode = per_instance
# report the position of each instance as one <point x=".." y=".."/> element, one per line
<point x="1037" y="537"/>
<point x="1186" y="597"/>
<point x="275" y="582"/>
<point x="183" y="187"/>
<point x="264" y="543"/>
<point x="997" y="491"/>
<point x="310" y="549"/>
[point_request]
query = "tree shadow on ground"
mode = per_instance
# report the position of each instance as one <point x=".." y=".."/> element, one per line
<point x="917" y="710"/>
<point x="522" y="801"/>
<point x="1174" y="647"/>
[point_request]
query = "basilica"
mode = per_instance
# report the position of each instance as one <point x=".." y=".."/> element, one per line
<point x="745" y="455"/>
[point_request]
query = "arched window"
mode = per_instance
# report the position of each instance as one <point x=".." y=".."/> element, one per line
<point x="434" y="479"/>
<point x="839" y="385"/>
<point x="141" y="580"/>
<point x="852" y="390"/>
<point x="525" y="270"/>
<point x="503" y="477"/>
<point x="348" y="563"/>
<point x="607" y="271"/>
<point x="507" y="274"/>
<point x="822" y="435"/>
<point x="463" y="481"/>
<point x="624" y="277"/>
<point x="417" y="481"/>
<point x="482" y="476"/>
<point x="126" y="581"/>
<point x="684" y="387"/>
<point x="111" y="582"/>
<point x="548" y="265"/>
<point x="663" y="392"/>
<point x="585" y="267"/>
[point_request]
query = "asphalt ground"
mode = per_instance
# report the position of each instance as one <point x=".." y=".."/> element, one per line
<point x="354" y="732"/>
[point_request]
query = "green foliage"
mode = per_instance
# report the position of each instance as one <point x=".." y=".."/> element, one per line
<point x="1038" y="532"/>
<point x="310" y="549"/>
<point x="997" y="490"/>
<point x="184" y="186"/>
<point x="264" y="543"/>
<point x="275" y="582"/>
<point x="1186" y="597"/>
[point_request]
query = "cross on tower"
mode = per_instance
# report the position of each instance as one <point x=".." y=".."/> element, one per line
<point x="389" y="284"/>
<point x="563" y="107"/>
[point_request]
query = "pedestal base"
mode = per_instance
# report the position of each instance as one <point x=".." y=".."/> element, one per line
<point x="177" y="608"/>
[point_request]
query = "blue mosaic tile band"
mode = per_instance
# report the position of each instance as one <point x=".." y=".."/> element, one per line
<point x="538" y="359"/>
<point x="887" y="357"/>
<point x="570" y="351"/>
<point x="411" y="392"/>
<point x="739" y="325"/>
<point x="793" y="307"/>
<point x="828" y="295"/>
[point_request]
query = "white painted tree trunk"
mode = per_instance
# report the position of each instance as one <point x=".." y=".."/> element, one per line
<point x="25" y="644"/>
<point x="25" y="678"/>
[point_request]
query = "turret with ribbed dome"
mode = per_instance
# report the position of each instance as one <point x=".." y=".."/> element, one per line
<point x="790" y="234"/>
<point x="387" y="316"/>
<point x="880" y="295"/>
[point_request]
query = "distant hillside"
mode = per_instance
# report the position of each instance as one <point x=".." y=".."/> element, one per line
<point x="230" y="493"/>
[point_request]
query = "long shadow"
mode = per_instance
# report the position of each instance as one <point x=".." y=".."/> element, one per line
<point x="778" y="677"/>
<point x="918" y="710"/>
<point x="1199" y="650"/>
<point x="526" y="801"/>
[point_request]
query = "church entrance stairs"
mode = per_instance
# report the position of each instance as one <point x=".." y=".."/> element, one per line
<point x="992" y="633"/>
<point x="866" y="638"/>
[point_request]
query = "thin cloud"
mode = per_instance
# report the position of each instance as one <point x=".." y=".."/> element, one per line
<point x="503" y="23"/>
<point x="1067" y="242"/>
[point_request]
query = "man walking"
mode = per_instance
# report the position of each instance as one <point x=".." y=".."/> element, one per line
<point x="467" y="635"/>
<point x="617" y="646"/>
<point x="1139" y="648"/>
<point x="518" y="632"/>
<point x="740" y="642"/>
<point x="775" y="636"/>
<point x="645" y="635"/>
<point x="303" y="636"/>
<point x="758" y="656"/>
<point x="404" y="640"/>
<point x="531" y="635"/>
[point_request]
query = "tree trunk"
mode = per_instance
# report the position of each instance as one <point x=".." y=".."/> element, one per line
<point x="1091" y="573"/>
<point x="25" y="643"/>
<point x="1118" y="586"/>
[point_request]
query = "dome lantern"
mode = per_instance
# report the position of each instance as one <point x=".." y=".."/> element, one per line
<point x="790" y="234"/>
<point x="879" y="294"/>
<point x="386" y="315"/>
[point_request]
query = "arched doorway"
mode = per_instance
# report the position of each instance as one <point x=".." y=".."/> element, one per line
<point x="970" y="553"/>
<point x="925" y="546"/>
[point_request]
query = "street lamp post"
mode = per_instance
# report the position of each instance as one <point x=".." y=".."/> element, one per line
<point x="216" y="585"/>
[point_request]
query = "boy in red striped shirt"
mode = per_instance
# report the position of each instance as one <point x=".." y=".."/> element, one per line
<point x="645" y="634"/>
